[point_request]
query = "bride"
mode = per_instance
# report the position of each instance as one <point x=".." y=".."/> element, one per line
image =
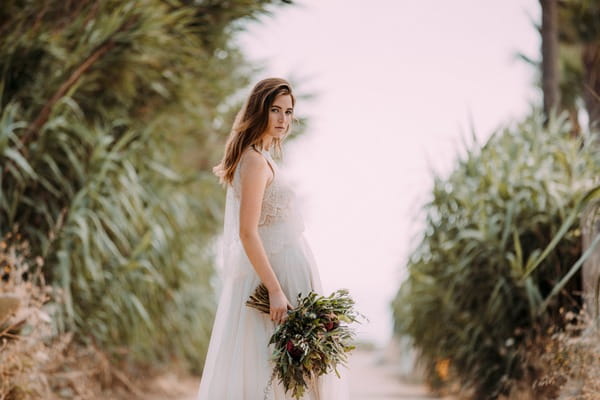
<point x="262" y="241"/>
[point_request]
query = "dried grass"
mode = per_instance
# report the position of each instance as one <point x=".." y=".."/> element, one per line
<point x="24" y="347"/>
<point x="35" y="361"/>
<point x="566" y="363"/>
<point x="572" y="359"/>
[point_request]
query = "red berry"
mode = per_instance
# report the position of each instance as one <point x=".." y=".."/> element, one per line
<point x="293" y="350"/>
<point x="331" y="321"/>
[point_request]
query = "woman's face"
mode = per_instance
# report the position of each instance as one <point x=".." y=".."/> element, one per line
<point x="280" y="116"/>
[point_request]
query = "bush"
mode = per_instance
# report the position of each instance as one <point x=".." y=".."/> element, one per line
<point x="501" y="234"/>
<point x="112" y="114"/>
<point x="36" y="362"/>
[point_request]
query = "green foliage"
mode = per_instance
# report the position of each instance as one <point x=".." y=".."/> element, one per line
<point x="501" y="232"/>
<point x="314" y="338"/>
<point x="111" y="115"/>
<point x="579" y="37"/>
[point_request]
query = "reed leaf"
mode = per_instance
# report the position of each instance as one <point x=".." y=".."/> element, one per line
<point x="107" y="139"/>
<point x="500" y="254"/>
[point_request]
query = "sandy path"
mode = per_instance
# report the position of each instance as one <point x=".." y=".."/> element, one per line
<point x="374" y="377"/>
<point x="371" y="377"/>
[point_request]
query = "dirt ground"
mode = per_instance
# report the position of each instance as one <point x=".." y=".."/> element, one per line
<point x="372" y="375"/>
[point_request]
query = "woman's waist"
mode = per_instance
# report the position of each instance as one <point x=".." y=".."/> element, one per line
<point x="277" y="235"/>
<point x="282" y="226"/>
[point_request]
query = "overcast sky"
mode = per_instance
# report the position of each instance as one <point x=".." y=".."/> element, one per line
<point x="398" y="84"/>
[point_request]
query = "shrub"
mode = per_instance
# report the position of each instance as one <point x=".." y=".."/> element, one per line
<point x="500" y="235"/>
<point x="111" y="115"/>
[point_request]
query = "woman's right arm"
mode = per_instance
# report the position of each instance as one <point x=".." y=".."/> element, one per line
<point x="253" y="178"/>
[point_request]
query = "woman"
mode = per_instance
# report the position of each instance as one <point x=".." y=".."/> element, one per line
<point x="262" y="242"/>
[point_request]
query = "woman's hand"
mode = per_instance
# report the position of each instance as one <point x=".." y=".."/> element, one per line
<point x="279" y="306"/>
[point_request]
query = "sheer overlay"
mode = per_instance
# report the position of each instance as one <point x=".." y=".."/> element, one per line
<point x="238" y="365"/>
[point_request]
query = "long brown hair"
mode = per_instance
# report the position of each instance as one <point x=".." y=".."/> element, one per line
<point x="250" y="124"/>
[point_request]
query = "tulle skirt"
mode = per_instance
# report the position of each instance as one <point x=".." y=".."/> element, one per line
<point x="238" y="365"/>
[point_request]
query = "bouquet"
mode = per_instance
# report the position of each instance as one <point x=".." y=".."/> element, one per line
<point x="313" y="340"/>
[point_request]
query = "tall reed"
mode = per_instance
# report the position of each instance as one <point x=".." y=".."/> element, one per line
<point x="500" y="254"/>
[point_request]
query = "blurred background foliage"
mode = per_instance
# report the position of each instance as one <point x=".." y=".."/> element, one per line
<point x="501" y="233"/>
<point x="500" y="257"/>
<point x="578" y="32"/>
<point x="575" y="51"/>
<point x="112" y="114"/>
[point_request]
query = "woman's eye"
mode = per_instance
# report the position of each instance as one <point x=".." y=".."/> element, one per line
<point x="274" y="109"/>
<point x="288" y="112"/>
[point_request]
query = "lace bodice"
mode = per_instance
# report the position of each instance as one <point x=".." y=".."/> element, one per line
<point x="279" y="200"/>
<point x="280" y="223"/>
<point x="280" y="219"/>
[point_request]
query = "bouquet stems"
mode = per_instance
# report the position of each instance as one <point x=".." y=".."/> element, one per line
<point x="260" y="299"/>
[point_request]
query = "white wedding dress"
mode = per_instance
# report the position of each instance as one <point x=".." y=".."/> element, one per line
<point x="238" y="365"/>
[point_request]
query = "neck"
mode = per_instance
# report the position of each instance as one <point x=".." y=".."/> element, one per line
<point x="266" y="143"/>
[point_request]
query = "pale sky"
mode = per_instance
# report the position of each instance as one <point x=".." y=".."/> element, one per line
<point x="397" y="84"/>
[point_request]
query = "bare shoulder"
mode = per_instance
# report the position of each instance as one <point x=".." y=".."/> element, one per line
<point x="253" y="163"/>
